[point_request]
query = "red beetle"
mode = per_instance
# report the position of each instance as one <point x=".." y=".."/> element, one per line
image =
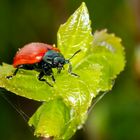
<point x="41" y="57"/>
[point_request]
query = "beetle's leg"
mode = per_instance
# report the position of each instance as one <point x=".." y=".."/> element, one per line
<point x="70" y="70"/>
<point x="42" y="79"/>
<point x="53" y="79"/>
<point x="15" y="72"/>
<point x="58" y="70"/>
<point x="48" y="71"/>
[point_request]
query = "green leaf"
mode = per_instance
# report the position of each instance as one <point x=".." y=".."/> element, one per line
<point x="109" y="53"/>
<point x="66" y="104"/>
<point x="51" y="119"/>
<point x="75" y="34"/>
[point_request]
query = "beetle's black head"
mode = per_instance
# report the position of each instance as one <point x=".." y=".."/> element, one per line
<point x="59" y="62"/>
<point x="55" y="59"/>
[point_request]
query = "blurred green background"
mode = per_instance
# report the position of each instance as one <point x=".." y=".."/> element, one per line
<point x="117" y="115"/>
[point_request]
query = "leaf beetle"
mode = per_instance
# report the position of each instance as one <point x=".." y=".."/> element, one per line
<point x="42" y="58"/>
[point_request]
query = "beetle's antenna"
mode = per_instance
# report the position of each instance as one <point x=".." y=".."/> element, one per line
<point x="70" y="66"/>
<point x="74" y="54"/>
